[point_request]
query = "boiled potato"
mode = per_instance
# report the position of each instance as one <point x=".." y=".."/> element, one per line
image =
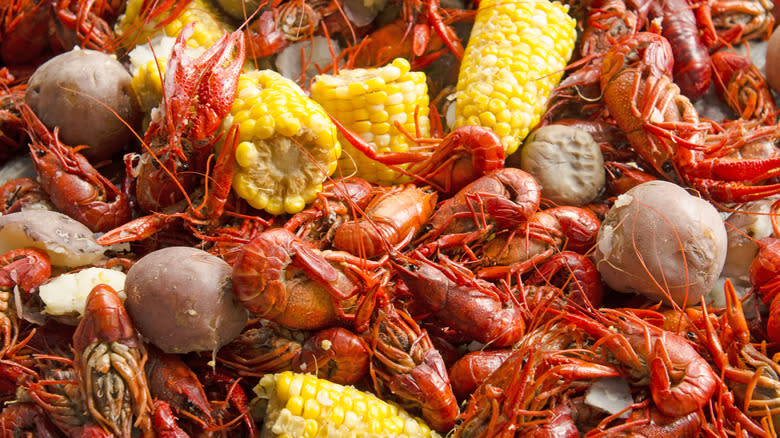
<point x="181" y="300"/>
<point x="659" y="241"/>
<point x="87" y="95"/>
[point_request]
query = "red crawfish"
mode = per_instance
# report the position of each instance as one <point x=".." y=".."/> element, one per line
<point x="73" y="185"/>
<point x="405" y="362"/>
<point x="501" y="199"/>
<point x="681" y="381"/>
<point x="519" y="250"/>
<point x="339" y="200"/>
<point x="574" y="274"/>
<point x="422" y="34"/>
<point x="12" y="136"/>
<point x="463" y="155"/>
<point x="20" y="192"/>
<point x="645" y="420"/>
<point x="26" y="419"/>
<point x="392" y="219"/>
<point x="170" y="380"/>
<point x="474" y="307"/>
<point x="468" y="372"/>
<point x="740" y="21"/>
<point x="25" y="268"/>
<point x="181" y="136"/>
<point x="283" y="278"/>
<point x="765" y="280"/>
<point x="335" y="354"/>
<point x="742" y="86"/>
<point x="58" y="394"/>
<point x="664" y="128"/>
<point x="578" y="95"/>
<point x="692" y="70"/>
<point x="30" y="30"/>
<point x="751" y="380"/>
<point x="164" y="422"/>
<point x="109" y="363"/>
<point x="524" y="396"/>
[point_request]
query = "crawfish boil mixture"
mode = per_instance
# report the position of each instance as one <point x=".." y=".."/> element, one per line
<point x="404" y="218"/>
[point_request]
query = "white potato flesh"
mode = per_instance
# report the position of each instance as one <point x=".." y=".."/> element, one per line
<point x="67" y="293"/>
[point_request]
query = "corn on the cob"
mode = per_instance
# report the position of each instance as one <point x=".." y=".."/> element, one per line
<point x="210" y="24"/>
<point x="368" y="101"/>
<point x="288" y="144"/>
<point x="515" y="57"/>
<point x="302" y="405"/>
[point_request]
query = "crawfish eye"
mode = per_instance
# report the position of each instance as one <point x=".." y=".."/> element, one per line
<point x="667" y="167"/>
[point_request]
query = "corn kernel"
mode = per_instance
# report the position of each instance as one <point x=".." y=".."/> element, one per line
<point x="295" y="405"/>
<point x="311" y="409"/>
<point x="275" y="205"/>
<point x="310" y="429"/>
<point x="293" y="204"/>
<point x="246" y="154"/>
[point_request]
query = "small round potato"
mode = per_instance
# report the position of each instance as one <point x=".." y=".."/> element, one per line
<point x="658" y="240"/>
<point x="566" y="162"/>
<point x="181" y="300"/>
<point x="71" y="91"/>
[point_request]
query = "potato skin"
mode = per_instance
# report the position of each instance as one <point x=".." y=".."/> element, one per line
<point x="68" y="242"/>
<point x="648" y="226"/>
<point x="181" y="300"/>
<point x="69" y="91"/>
<point x="566" y="162"/>
<point x="772" y="66"/>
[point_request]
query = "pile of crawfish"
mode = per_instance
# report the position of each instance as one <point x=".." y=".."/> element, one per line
<point x="471" y="301"/>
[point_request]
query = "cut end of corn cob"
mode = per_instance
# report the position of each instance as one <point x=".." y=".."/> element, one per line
<point x="288" y="144"/>
<point x="302" y="405"/>
<point x="369" y="101"/>
<point x="210" y="24"/>
<point x="515" y="57"/>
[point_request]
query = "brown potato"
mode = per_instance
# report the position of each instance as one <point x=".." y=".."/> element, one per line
<point x="658" y="239"/>
<point x="181" y="300"/>
<point x="566" y="162"/>
<point x="71" y="91"/>
<point x="772" y="66"/>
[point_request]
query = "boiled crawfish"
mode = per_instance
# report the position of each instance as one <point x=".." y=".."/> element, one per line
<point x="680" y="379"/>
<point x="281" y="277"/>
<point x="74" y="186"/>
<point x="475" y="307"/>
<point x="109" y="363"/>
<point x="405" y="362"/>
<point x="742" y="86"/>
<point x="24" y="268"/>
<point x="197" y="96"/>
<point x="664" y="128"/>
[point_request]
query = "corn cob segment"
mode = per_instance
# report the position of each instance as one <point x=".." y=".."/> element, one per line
<point x="515" y="57"/>
<point x="210" y="24"/>
<point x="302" y="405"/>
<point x="288" y="144"/>
<point x="369" y="101"/>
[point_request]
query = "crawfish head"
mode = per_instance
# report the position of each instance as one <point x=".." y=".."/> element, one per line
<point x="109" y="362"/>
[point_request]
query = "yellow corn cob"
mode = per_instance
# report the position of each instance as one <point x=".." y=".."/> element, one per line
<point x="368" y="101"/>
<point x="210" y="24"/>
<point x="514" y="59"/>
<point x="288" y="145"/>
<point x="146" y="83"/>
<point x="302" y="405"/>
